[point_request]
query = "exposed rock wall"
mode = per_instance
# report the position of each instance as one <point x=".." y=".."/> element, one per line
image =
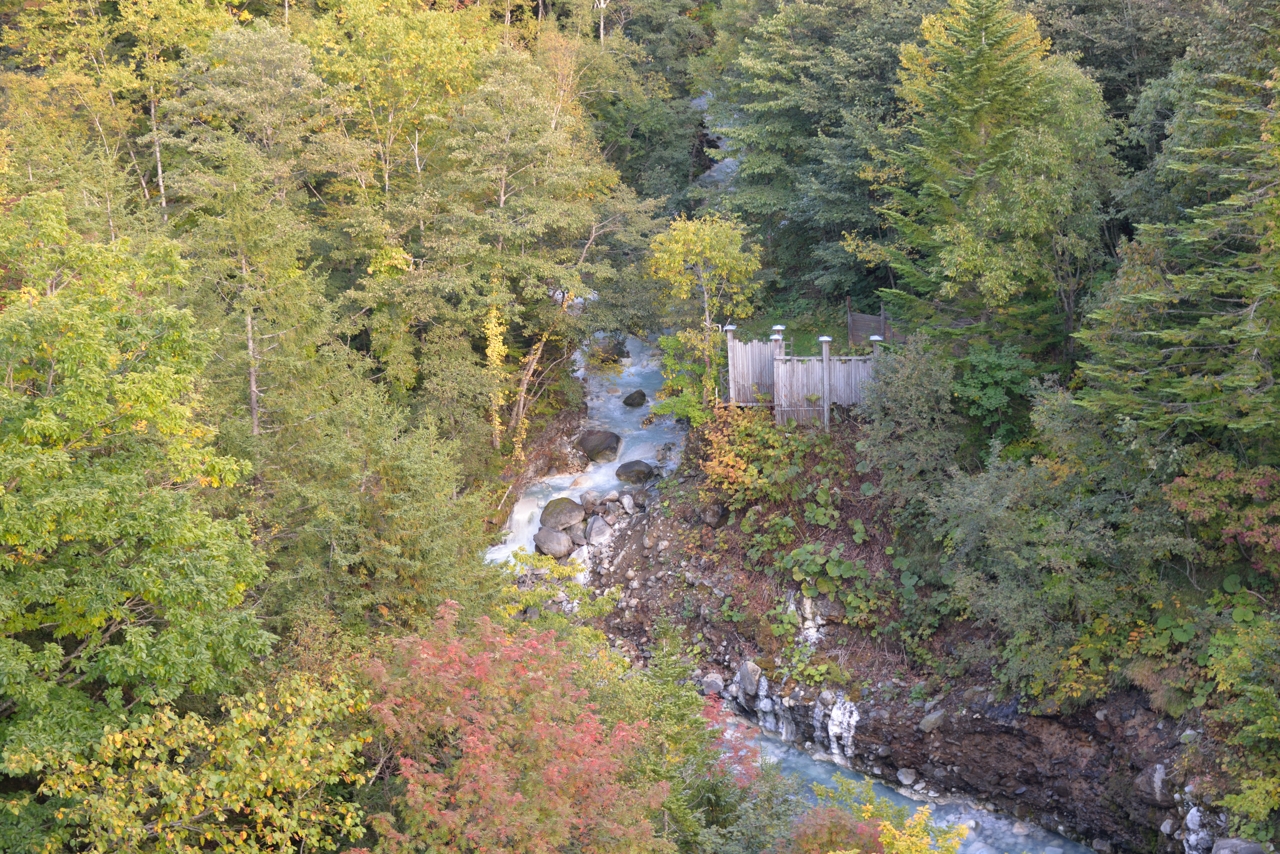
<point x="1107" y="778"/>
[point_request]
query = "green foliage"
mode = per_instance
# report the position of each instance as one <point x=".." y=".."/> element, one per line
<point x="1180" y="341"/>
<point x="913" y="433"/>
<point x="118" y="586"/>
<point x="707" y="271"/>
<point x="1061" y="552"/>
<point x="764" y="813"/>
<point x="801" y="127"/>
<point x="992" y="390"/>
<point x="276" y="771"/>
<point x="1180" y="116"/>
<point x="1000" y="175"/>
<point x="1124" y="45"/>
<point x="866" y="596"/>
<point x="1248" y="674"/>
<point x="685" y="376"/>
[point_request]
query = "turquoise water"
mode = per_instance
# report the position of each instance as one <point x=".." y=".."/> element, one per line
<point x="988" y="832"/>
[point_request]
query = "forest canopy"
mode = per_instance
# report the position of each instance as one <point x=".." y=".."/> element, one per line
<point x="290" y="292"/>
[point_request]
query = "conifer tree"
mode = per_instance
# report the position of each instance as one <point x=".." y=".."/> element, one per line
<point x="998" y="179"/>
<point x="1183" y="340"/>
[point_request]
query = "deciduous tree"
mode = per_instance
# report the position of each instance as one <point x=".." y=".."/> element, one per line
<point x="118" y="588"/>
<point x="497" y="750"/>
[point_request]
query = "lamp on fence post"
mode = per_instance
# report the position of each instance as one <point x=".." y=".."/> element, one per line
<point x="728" y="334"/>
<point x="876" y="341"/>
<point x="826" y="382"/>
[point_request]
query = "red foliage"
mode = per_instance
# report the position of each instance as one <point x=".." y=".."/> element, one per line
<point x="825" y="829"/>
<point x="500" y="752"/>
<point x="739" y="758"/>
<point x="1239" y="507"/>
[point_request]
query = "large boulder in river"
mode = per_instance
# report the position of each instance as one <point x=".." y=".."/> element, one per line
<point x="636" y="398"/>
<point x="561" y="513"/>
<point x="600" y="446"/>
<point x="553" y="543"/>
<point x="636" y="471"/>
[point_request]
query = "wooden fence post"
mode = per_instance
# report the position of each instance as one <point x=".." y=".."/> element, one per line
<point x="848" y="319"/>
<point x="776" y="338"/>
<point x="728" y="333"/>
<point x="884" y="323"/>
<point x="826" y="382"/>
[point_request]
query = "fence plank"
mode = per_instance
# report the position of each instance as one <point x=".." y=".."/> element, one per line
<point x="751" y="366"/>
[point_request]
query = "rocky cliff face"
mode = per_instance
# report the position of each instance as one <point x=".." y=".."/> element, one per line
<point x="1109" y="776"/>
<point x="1104" y="785"/>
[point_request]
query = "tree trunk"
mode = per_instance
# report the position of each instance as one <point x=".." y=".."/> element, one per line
<point x="155" y="144"/>
<point x="707" y="381"/>
<point x="254" y="417"/>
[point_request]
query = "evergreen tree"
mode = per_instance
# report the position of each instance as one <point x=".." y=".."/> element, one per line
<point x="999" y="176"/>
<point x="803" y="105"/>
<point x="1182" y="341"/>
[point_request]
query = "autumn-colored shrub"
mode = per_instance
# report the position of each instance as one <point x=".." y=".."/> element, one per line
<point x="1238" y="509"/>
<point x="828" y="828"/>
<point x="852" y="819"/>
<point x="274" y="773"/>
<point x="499" y="751"/>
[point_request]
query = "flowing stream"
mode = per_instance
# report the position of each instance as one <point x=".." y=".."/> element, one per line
<point x="659" y="444"/>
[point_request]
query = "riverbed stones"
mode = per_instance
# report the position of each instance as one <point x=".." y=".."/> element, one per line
<point x="598" y="531"/>
<point x="1154" y="785"/>
<point x="907" y="776"/>
<point x="628" y="504"/>
<point x="932" y="721"/>
<point x="578" y="533"/>
<point x="636" y="471"/>
<point x="715" y="516"/>
<point x="713" y="683"/>
<point x="636" y="398"/>
<point x="1237" y="846"/>
<point x="553" y="543"/>
<point x="749" y="677"/>
<point x="561" y="513"/>
<point x="599" y="446"/>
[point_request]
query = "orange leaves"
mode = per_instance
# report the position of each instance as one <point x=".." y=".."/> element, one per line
<point x="500" y="751"/>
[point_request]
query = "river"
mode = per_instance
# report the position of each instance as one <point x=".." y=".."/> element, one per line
<point x="659" y="444"/>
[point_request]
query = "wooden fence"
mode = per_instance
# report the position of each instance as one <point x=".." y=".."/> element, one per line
<point x="802" y="388"/>
<point x="863" y="326"/>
